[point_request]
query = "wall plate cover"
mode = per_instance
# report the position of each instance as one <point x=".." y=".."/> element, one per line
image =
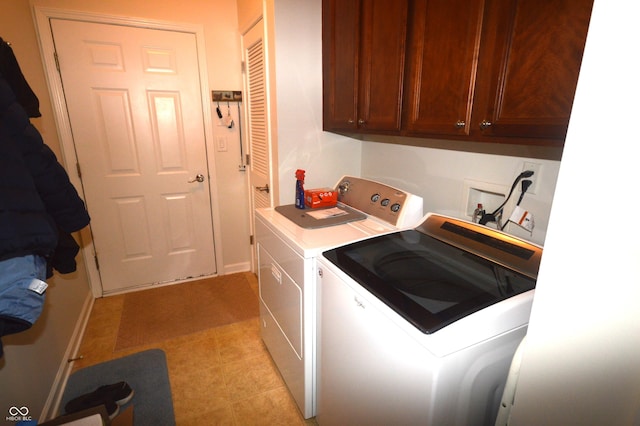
<point x="536" y="168"/>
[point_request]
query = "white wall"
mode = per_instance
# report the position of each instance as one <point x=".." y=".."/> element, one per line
<point x="442" y="177"/>
<point x="301" y="143"/>
<point x="34" y="358"/>
<point x="232" y="190"/>
<point x="581" y="365"/>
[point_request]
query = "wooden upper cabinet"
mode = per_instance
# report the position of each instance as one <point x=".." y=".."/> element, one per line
<point x="529" y="65"/>
<point x="477" y="70"/>
<point x="444" y="40"/>
<point x="363" y="64"/>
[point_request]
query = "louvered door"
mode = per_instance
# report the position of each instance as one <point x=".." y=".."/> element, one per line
<point x="258" y="136"/>
<point x="261" y="179"/>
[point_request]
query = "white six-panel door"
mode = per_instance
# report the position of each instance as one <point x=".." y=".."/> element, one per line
<point x="135" y="110"/>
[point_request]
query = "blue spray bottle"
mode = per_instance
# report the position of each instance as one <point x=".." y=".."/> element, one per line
<point x="300" y="188"/>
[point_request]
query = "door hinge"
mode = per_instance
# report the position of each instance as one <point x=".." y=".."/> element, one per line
<point x="251" y="240"/>
<point x="243" y="67"/>
<point x="79" y="171"/>
<point x="95" y="258"/>
<point x="246" y="159"/>
<point x="55" y="58"/>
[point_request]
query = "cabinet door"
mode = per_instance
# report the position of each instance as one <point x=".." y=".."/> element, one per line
<point x="444" y="39"/>
<point x="530" y="61"/>
<point x="363" y="54"/>
<point x="340" y="41"/>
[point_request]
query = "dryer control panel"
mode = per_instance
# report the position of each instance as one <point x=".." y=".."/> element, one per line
<point x="379" y="200"/>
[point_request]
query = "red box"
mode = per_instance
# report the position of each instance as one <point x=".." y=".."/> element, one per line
<point x="322" y="197"/>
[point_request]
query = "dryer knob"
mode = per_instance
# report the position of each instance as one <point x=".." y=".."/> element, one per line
<point x="343" y="188"/>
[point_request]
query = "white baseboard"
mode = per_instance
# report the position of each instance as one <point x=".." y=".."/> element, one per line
<point x="52" y="404"/>
<point x="237" y="267"/>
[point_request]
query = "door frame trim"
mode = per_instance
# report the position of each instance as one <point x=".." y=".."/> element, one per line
<point x="42" y="17"/>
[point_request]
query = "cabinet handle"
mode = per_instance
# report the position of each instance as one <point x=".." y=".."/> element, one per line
<point x="350" y="121"/>
<point x="485" y="124"/>
<point x="361" y="122"/>
<point x="460" y="124"/>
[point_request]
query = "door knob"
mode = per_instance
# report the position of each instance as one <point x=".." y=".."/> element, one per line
<point x="264" y="188"/>
<point x="199" y="178"/>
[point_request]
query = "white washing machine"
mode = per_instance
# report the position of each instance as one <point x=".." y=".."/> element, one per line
<point x="289" y="241"/>
<point x="419" y="326"/>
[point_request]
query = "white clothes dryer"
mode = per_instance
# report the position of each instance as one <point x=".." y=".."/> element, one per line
<point x="288" y="241"/>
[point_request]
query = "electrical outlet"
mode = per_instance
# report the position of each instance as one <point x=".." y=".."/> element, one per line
<point x="536" y="168"/>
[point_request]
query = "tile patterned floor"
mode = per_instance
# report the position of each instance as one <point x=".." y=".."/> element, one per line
<point x="220" y="376"/>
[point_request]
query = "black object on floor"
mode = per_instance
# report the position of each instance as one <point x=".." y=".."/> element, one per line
<point x="145" y="372"/>
<point x="111" y="396"/>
